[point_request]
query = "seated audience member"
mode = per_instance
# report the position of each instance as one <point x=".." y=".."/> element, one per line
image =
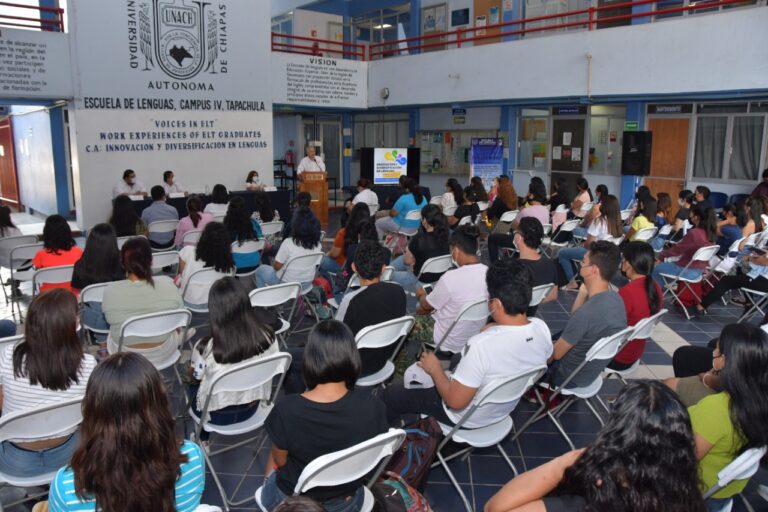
<point x="47" y="366"/>
<point x="646" y="213"/>
<point x="606" y="225"/>
<point x="761" y="190"/>
<point x="755" y="279"/>
<point x="663" y="208"/>
<point x="242" y="228"/>
<point x="683" y="215"/>
<point x="561" y="195"/>
<point x="7" y="229"/>
<point x="302" y="199"/>
<point x="411" y="200"/>
<point x="476" y="184"/>
<point x="128" y="186"/>
<point x="505" y="200"/>
<point x="733" y="419"/>
<point x="753" y="210"/>
<point x="100" y="263"/>
<point x="252" y="182"/>
<point x="642" y="460"/>
<point x="701" y="196"/>
<point x="59" y="249"/>
<point x="527" y="239"/>
<point x="196" y="219"/>
<point x="124" y="218"/>
<point x="364" y="193"/>
<point x="583" y="196"/>
<point x="304" y="239"/>
<point x="171" y="186"/>
<point x="219" y="201"/>
<point x="213" y="250"/>
<point x="337" y="415"/>
<point x="366" y="232"/>
<point x="536" y="205"/>
<point x="454" y="290"/>
<point x="334" y="260"/>
<point x="140" y="293"/>
<point x="702" y="235"/>
<point x="452" y="198"/>
<point x="238" y="335"/>
<point x="429" y="242"/>
<point x="597" y="312"/>
<point x="264" y="212"/>
<point x="641" y="296"/>
<point x="159" y="210"/>
<point x="731" y="227"/>
<point x="467" y="208"/>
<point x="512" y="343"/>
<point x="129" y="457"/>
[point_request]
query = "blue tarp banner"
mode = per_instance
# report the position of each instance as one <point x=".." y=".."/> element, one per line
<point x="486" y="159"/>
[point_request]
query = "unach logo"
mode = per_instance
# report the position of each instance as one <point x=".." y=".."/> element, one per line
<point x="178" y="36"/>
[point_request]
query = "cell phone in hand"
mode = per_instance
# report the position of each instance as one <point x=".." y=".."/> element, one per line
<point x="757" y="251"/>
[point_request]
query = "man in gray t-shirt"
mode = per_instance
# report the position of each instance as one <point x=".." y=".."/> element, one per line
<point x="597" y="312"/>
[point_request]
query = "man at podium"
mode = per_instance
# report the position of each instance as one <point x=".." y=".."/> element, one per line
<point x="310" y="163"/>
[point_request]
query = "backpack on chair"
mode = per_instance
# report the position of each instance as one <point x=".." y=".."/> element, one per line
<point x="393" y="494"/>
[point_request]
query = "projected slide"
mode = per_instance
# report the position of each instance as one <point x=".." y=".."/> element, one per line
<point x="389" y="164"/>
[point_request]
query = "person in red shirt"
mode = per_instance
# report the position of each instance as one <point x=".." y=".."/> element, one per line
<point x="761" y="190"/>
<point x="59" y="249"/>
<point x="642" y="297"/>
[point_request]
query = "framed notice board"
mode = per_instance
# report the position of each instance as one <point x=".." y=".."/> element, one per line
<point x="447" y="152"/>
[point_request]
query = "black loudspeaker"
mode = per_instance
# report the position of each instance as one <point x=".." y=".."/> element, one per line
<point x="636" y="153"/>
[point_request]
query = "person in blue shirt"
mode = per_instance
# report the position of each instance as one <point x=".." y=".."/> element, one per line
<point x="411" y="200"/>
<point x="242" y="228"/>
<point x="731" y="228"/>
<point x="160" y="210"/>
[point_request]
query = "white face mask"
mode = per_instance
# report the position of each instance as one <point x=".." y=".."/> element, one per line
<point x="453" y="260"/>
<point x="681" y="202"/>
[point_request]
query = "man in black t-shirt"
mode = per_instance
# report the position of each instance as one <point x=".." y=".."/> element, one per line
<point x="373" y="303"/>
<point x="528" y="240"/>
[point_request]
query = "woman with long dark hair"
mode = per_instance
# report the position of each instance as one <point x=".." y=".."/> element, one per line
<point x="304" y="239"/>
<point x="703" y="234"/>
<point x="453" y="196"/>
<point x="334" y="260"/>
<point x="467" y="208"/>
<point x="643" y="460"/>
<point x="59" y="249"/>
<point x="411" y="200"/>
<point x="242" y="228"/>
<point x="129" y="457"/>
<point x="196" y="219"/>
<point x="663" y="209"/>
<point x="219" y="200"/>
<point x="754" y="212"/>
<point x="213" y="250"/>
<point x="430" y="241"/>
<point x="264" y="211"/>
<point x="476" y="184"/>
<point x="646" y="215"/>
<point x="641" y="296"/>
<point x="583" y="196"/>
<point x="238" y="334"/>
<point x="124" y="218"/>
<point x="100" y="263"/>
<point x="48" y="366"/>
<point x="7" y="227"/>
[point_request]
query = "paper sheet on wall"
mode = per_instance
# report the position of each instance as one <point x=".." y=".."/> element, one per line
<point x="567" y="138"/>
<point x="576" y="154"/>
<point x="538" y="161"/>
<point x="557" y="153"/>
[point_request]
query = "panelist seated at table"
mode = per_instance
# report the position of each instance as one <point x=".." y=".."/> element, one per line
<point x="310" y="163"/>
<point x="252" y="182"/>
<point x="128" y="186"/>
<point x="171" y="186"/>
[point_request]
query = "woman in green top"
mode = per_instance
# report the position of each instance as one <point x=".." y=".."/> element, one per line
<point x="727" y="423"/>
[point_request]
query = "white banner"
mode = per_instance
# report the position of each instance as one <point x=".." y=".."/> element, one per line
<point x="34" y="64"/>
<point x="319" y="81"/>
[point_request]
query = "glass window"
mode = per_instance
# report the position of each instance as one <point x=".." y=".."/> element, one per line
<point x="532" y="152"/>
<point x="710" y="147"/>
<point x="605" y="141"/>
<point x="747" y="141"/>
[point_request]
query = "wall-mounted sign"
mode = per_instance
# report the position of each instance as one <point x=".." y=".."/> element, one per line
<point x="668" y="108"/>
<point x="569" y="111"/>
<point x="631" y="126"/>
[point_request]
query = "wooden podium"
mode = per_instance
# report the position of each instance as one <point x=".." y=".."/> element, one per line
<point x="316" y="184"/>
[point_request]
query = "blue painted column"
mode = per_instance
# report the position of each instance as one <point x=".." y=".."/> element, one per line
<point x="414" y="122"/>
<point x="635" y="112"/>
<point x="46" y="15"/>
<point x="637" y="9"/>
<point x="508" y="124"/>
<point x="347" y="144"/>
<point x="415" y="29"/>
<point x="60" y="167"/>
<point x="516" y="13"/>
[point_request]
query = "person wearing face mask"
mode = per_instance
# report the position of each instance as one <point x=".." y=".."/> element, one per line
<point x="455" y="289"/>
<point x="128" y="186"/>
<point x="512" y="343"/>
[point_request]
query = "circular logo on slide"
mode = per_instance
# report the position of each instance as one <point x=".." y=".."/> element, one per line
<point x="394" y="156"/>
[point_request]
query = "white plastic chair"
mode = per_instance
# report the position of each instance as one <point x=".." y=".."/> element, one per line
<point x="471" y="312"/>
<point x="10" y="340"/>
<point x="547" y="243"/>
<point x="385" y="334"/>
<point x="22" y="255"/>
<point x="509" y="216"/>
<point x="205" y="277"/>
<point x="40" y="422"/>
<point x="207" y="508"/>
<point x="436" y="265"/>
<point x="644" y="234"/>
<point x="163" y="259"/>
<point x="743" y="467"/>
<point x="626" y="214"/>
<point x="539" y="293"/>
<point x="561" y="208"/>
<point x="585" y="208"/>
<point x="51" y="275"/>
<point x="7" y="244"/>
<point x="240" y="377"/>
<point x="191" y="237"/>
<point x="155" y="325"/>
<point x="414" y="215"/>
<point x="642" y="330"/>
<point x="122" y="239"/>
<point x="219" y="217"/>
<point x="93" y="293"/>
<point x="464" y="221"/>
<point x="277" y="296"/>
<point x="272" y="229"/>
<point x="161" y="227"/>
<point x="348" y="465"/>
<point x="482" y="205"/>
<point x="248" y="247"/>
<point x="671" y="281"/>
<point x="499" y="391"/>
<point x="604" y="349"/>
